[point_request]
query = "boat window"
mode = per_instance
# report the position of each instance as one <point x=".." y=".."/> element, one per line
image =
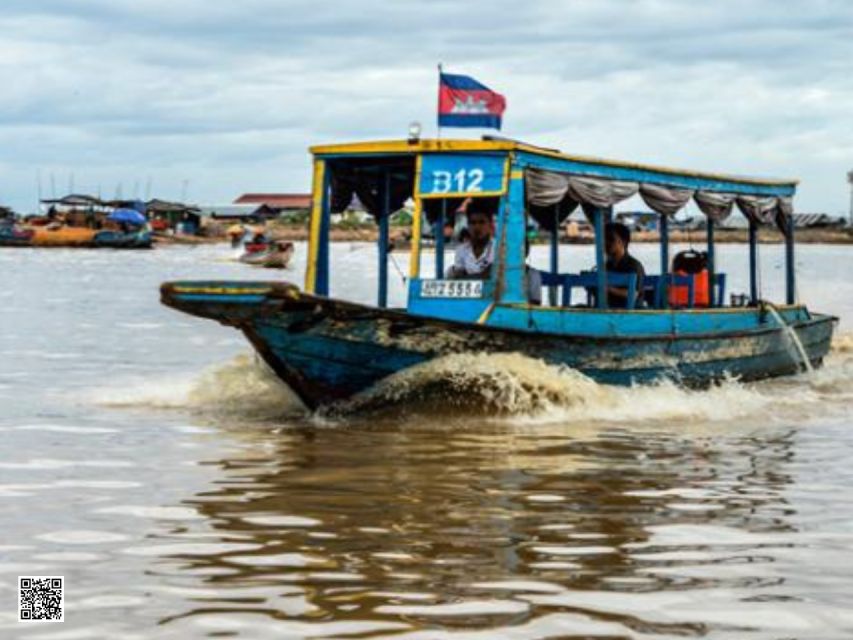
<point x="446" y="228"/>
<point x="381" y="185"/>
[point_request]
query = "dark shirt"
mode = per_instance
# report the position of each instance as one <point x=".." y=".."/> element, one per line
<point x="628" y="264"/>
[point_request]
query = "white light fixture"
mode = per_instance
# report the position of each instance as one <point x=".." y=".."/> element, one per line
<point x="414" y="132"/>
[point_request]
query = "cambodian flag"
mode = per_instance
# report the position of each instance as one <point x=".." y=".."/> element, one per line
<point x="464" y="102"/>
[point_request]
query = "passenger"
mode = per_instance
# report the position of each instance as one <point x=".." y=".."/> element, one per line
<point x="475" y="256"/>
<point x="617" y="237"/>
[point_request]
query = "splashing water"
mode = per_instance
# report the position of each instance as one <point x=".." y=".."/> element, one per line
<point x="529" y="390"/>
<point x="504" y="386"/>
<point x="792" y="340"/>
<point x="243" y="387"/>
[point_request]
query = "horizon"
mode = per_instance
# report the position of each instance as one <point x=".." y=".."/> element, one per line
<point x="202" y="103"/>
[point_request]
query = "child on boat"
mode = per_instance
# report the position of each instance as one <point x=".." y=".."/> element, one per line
<point x="475" y="256"/>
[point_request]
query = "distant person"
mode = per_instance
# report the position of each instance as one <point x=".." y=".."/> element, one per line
<point x="617" y="237"/>
<point x="474" y="257"/>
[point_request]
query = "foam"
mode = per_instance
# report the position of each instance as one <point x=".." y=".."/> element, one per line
<point x="504" y="386"/>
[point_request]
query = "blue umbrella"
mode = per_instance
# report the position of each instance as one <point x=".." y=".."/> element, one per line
<point x="130" y="216"/>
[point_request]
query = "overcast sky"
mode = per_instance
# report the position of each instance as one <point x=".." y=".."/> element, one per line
<point x="228" y="94"/>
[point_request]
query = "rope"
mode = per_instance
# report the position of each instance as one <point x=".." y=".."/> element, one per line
<point x="397" y="267"/>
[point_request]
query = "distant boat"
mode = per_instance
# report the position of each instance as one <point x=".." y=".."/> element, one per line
<point x="275" y="255"/>
<point x="13" y="236"/>
<point x="327" y="349"/>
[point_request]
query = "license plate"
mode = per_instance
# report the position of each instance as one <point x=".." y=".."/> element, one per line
<point x="452" y="289"/>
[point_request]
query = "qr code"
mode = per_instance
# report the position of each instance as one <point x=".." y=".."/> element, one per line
<point x="41" y="598"/>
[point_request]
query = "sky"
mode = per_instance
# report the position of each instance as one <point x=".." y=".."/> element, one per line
<point x="209" y="99"/>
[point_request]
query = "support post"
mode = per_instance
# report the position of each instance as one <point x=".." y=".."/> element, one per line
<point x="790" y="266"/>
<point x="317" y="269"/>
<point x="555" y="255"/>
<point x="384" y="214"/>
<point x="510" y="232"/>
<point x="712" y="267"/>
<point x="753" y="263"/>
<point x="600" y="260"/>
<point x="439" y="241"/>
<point x="415" y="253"/>
<point x="663" y="226"/>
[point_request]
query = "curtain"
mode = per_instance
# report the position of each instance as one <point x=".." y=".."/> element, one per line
<point x="758" y="209"/>
<point x="368" y="187"/>
<point x="717" y="206"/>
<point x="549" y="189"/>
<point x="666" y="201"/>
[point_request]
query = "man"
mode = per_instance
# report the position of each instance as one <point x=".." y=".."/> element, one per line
<point x="617" y="237"/>
<point x="475" y="256"/>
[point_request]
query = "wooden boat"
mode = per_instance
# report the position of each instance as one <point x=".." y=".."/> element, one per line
<point x="328" y="349"/>
<point x="275" y="255"/>
<point x="134" y="239"/>
<point x="63" y="236"/>
<point x="13" y="236"/>
<point x="66" y="236"/>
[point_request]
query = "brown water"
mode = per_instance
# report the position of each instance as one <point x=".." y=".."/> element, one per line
<point x="149" y="459"/>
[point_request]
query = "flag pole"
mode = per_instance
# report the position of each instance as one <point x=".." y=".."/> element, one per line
<point x="438" y="109"/>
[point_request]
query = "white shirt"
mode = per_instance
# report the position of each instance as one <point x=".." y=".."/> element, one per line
<point x="466" y="263"/>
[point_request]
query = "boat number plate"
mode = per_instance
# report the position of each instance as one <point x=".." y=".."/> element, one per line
<point x="452" y="289"/>
<point x="444" y="175"/>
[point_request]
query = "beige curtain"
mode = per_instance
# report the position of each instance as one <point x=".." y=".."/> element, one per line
<point x="666" y="201"/>
<point x="549" y="188"/>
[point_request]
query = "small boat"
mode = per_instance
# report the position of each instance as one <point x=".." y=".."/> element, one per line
<point x="58" y="235"/>
<point x="274" y="255"/>
<point x="328" y="349"/>
<point x="13" y="236"/>
<point x="131" y="239"/>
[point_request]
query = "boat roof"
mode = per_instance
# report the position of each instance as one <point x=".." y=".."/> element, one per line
<point x="552" y="159"/>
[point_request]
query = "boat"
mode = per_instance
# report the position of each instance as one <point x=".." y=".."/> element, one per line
<point x="59" y="235"/>
<point x="273" y="255"/>
<point x="139" y="238"/>
<point x="327" y="349"/>
<point x="13" y="236"/>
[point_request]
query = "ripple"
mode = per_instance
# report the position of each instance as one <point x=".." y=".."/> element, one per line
<point x="69" y="556"/>
<point x="282" y="521"/>
<point x="52" y="463"/>
<point x="190" y="549"/>
<point x="279" y="560"/>
<point x="466" y="608"/>
<point x="81" y="536"/>
<point x="523" y="586"/>
<point x="64" y="428"/>
<point x="252" y="625"/>
<point x="153" y="513"/>
<point x="574" y="551"/>
<point x="544" y="497"/>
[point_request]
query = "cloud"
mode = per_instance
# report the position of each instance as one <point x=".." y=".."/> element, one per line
<point x="230" y="94"/>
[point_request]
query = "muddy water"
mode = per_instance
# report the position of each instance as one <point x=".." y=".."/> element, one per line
<point x="182" y="492"/>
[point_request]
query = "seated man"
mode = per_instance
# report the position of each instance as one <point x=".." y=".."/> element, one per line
<point x="617" y="237"/>
<point x="474" y="257"/>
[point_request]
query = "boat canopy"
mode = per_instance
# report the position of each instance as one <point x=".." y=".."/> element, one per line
<point x="547" y="190"/>
<point x="514" y="182"/>
<point x="554" y="182"/>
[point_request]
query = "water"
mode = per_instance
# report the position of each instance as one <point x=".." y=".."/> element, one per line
<point x="795" y="346"/>
<point x="182" y="492"/>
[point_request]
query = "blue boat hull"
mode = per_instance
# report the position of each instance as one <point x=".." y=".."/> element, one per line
<point x="327" y="350"/>
<point x="124" y="240"/>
